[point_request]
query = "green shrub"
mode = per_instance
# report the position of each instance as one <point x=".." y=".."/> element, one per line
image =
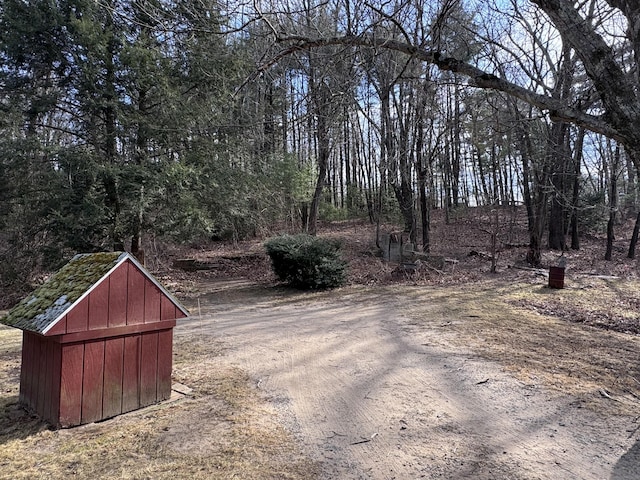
<point x="307" y="262"/>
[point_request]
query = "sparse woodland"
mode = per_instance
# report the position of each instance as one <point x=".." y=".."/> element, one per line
<point x="126" y="123"/>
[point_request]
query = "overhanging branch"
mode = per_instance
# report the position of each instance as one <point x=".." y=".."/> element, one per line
<point x="558" y="110"/>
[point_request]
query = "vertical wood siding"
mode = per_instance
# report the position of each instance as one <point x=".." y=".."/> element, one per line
<point x="165" y="357"/>
<point x="113" y="372"/>
<point x="152" y="300"/>
<point x="78" y="318"/>
<point x="25" y="370"/>
<point x="41" y="372"/>
<point x="118" y="295"/>
<point x="99" y="306"/>
<point x="130" y="378"/>
<point x="136" y="300"/>
<point x="92" y="381"/>
<point x="148" y="368"/>
<point x="53" y="413"/>
<point x="71" y="385"/>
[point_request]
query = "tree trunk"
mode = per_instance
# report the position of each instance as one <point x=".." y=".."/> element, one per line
<point x="559" y="156"/>
<point x="425" y="207"/>
<point x="634" y="238"/>
<point x="526" y="179"/>
<point x="534" y="256"/>
<point x="613" y="202"/>
<point x="495" y="227"/>
<point x="634" y="156"/>
<point x="535" y="198"/>
<point x="486" y="196"/>
<point x="539" y="209"/>
<point x="425" y="216"/>
<point x="577" y="162"/>
<point x="323" y="160"/>
<point x="404" y="195"/>
<point x="455" y="154"/>
<point x="112" y="196"/>
<point x="142" y="144"/>
<point x="610" y="234"/>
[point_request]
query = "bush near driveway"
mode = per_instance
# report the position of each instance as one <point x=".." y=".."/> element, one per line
<point x="307" y="262"/>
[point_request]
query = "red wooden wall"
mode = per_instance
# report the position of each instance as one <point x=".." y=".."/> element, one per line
<point x="110" y="354"/>
<point x="40" y="368"/>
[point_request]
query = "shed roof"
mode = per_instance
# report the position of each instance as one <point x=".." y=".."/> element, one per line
<point x="61" y="292"/>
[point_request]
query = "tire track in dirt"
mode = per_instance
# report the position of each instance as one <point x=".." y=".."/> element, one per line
<point x="372" y="397"/>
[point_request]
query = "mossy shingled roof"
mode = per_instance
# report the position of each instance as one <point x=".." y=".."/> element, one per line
<point x="57" y="295"/>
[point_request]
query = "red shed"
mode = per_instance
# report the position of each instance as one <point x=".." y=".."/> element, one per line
<point x="97" y="340"/>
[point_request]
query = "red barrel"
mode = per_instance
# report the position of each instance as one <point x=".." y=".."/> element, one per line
<point x="556" y="277"/>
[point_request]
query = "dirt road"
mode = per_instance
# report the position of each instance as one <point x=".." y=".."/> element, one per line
<point x="371" y="394"/>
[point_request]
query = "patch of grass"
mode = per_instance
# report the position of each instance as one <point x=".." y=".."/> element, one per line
<point x="607" y="303"/>
<point x="499" y="323"/>
<point x="224" y="430"/>
<point x="10" y="358"/>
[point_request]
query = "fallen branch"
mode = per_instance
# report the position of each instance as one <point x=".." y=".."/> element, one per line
<point x="605" y="394"/>
<point x="361" y="441"/>
<point x="434" y="269"/>
<point x="633" y="394"/>
<point x="541" y="271"/>
<point x="366" y="440"/>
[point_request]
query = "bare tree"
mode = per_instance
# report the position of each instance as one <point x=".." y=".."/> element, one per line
<point x="573" y="63"/>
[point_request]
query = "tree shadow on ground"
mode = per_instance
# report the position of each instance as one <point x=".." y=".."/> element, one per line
<point x="628" y="466"/>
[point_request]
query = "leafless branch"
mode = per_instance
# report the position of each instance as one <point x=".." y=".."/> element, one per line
<point x="557" y="108"/>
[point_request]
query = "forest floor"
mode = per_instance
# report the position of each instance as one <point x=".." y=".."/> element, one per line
<point x="449" y="371"/>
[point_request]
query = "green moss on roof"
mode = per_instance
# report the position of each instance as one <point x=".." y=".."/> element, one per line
<point x="45" y="305"/>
